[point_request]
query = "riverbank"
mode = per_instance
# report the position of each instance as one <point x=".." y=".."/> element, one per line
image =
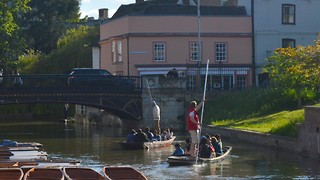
<point x="307" y="143"/>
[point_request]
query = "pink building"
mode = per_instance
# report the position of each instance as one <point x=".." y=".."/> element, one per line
<point x="153" y="37"/>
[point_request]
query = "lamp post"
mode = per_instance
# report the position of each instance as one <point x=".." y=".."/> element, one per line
<point x="199" y="47"/>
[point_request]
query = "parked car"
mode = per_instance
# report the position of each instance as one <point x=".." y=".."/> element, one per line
<point x="101" y="77"/>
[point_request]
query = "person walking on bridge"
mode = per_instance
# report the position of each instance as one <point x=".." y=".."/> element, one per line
<point x="156" y="117"/>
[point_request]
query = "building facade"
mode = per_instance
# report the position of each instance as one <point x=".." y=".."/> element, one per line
<point x="281" y="23"/>
<point x="153" y="37"/>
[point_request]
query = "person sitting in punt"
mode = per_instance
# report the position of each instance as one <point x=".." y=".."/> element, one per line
<point x="179" y="151"/>
<point x="149" y="133"/>
<point x="164" y="135"/>
<point x="156" y="136"/>
<point x="219" y="139"/>
<point x="205" y="150"/>
<point x="141" y="136"/>
<point x="188" y="147"/>
<point x="169" y="134"/>
<point x="217" y="146"/>
<point x="131" y="136"/>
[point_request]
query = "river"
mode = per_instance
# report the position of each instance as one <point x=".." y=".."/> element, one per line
<point x="96" y="147"/>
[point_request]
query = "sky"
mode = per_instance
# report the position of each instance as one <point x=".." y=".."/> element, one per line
<point x="91" y="7"/>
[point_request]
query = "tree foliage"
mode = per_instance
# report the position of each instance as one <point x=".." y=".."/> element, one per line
<point x="11" y="45"/>
<point x="45" y="23"/>
<point x="74" y="49"/>
<point x="295" y="69"/>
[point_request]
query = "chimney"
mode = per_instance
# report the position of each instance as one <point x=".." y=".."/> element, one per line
<point x="139" y="1"/>
<point x="103" y="13"/>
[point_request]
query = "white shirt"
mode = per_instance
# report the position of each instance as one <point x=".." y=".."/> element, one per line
<point x="156" y="113"/>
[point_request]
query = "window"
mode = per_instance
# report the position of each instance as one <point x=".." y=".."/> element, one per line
<point x="194" y="51"/>
<point x="288" y="14"/>
<point x="159" y="50"/>
<point x="221" y="52"/>
<point x="288" y="43"/>
<point x="241" y="82"/>
<point x="191" y="82"/>
<point x="119" y="51"/>
<point x="114" y="58"/>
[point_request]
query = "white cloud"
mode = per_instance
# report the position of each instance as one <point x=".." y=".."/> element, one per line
<point x="85" y="1"/>
<point x="91" y="13"/>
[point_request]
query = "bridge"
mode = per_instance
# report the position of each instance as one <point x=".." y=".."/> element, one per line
<point x="109" y="94"/>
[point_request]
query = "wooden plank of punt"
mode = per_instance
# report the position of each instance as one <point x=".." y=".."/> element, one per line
<point x="11" y="173"/>
<point x="17" y="148"/>
<point x="25" y="144"/>
<point x="44" y="173"/>
<point x="12" y="164"/>
<point x="123" y="173"/>
<point x="77" y="173"/>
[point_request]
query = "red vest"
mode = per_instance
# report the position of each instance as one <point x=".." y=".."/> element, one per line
<point x="191" y="125"/>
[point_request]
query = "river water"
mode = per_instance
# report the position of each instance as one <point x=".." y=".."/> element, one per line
<point x="96" y="147"/>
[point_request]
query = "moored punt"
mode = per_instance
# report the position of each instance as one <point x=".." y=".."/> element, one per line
<point x="17" y="148"/>
<point x="116" y="173"/>
<point x="9" y="143"/>
<point x="11" y="173"/>
<point x="147" y="145"/>
<point x="188" y="160"/>
<point x="23" y="153"/>
<point x="11" y="164"/>
<point x="44" y="173"/>
<point x="82" y="173"/>
<point x="14" y="164"/>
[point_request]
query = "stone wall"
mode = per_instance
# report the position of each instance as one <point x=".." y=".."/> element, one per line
<point x="307" y="143"/>
<point x="309" y="135"/>
<point x="172" y="98"/>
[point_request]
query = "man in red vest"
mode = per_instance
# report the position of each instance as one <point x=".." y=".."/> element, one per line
<point x="194" y="125"/>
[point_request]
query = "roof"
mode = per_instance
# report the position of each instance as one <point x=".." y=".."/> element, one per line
<point x="170" y="7"/>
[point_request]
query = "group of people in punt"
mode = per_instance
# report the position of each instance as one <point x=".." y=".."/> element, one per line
<point x="209" y="146"/>
<point x="148" y="136"/>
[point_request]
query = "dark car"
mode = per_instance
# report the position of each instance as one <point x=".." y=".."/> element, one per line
<point x="101" y="77"/>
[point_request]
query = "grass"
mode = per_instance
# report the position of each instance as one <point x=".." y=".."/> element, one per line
<point x="281" y="123"/>
<point x="260" y="110"/>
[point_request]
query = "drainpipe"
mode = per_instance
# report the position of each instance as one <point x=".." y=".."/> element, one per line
<point x="253" y="45"/>
<point x="128" y="57"/>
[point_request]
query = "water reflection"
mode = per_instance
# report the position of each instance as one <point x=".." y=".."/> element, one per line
<point x="97" y="147"/>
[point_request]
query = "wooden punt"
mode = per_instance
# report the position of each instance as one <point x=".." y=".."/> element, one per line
<point x="81" y="173"/>
<point x="11" y="173"/>
<point x="25" y="153"/>
<point x="13" y="164"/>
<point x="9" y="143"/>
<point x="188" y="160"/>
<point x="17" y="148"/>
<point x="118" y="173"/>
<point x="44" y="173"/>
<point x="147" y="145"/>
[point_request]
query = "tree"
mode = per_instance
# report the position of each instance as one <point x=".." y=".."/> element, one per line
<point x="296" y="69"/>
<point x="45" y="23"/>
<point x="11" y="45"/>
<point x="74" y="49"/>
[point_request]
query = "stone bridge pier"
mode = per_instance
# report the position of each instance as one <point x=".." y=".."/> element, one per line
<point x="171" y="96"/>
